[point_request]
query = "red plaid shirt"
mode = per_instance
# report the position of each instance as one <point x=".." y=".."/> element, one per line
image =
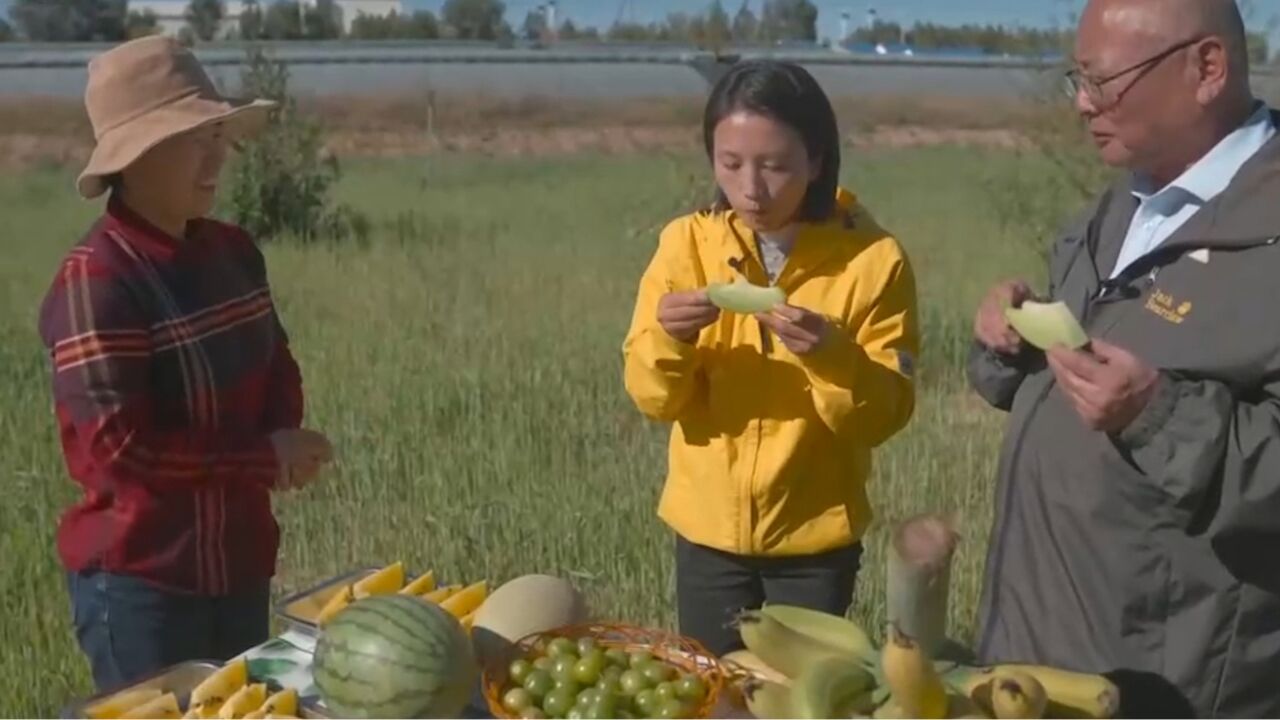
<point x="170" y="371"/>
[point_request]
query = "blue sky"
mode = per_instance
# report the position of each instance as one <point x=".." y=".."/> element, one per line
<point x="602" y="13"/>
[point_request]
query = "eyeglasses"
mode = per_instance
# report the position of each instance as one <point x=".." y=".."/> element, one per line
<point x="1075" y="80"/>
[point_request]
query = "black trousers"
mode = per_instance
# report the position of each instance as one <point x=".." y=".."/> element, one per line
<point x="712" y="587"/>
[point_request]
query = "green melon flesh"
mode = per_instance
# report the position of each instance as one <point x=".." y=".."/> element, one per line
<point x="395" y="656"/>
<point x="745" y="298"/>
<point x="1045" y="325"/>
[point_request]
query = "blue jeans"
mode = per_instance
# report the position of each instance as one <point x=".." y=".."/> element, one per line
<point x="129" y="628"/>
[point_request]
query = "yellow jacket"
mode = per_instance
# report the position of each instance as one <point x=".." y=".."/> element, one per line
<point x="769" y="451"/>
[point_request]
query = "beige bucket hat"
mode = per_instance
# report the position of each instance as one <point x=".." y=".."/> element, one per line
<point x="145" y="91"/>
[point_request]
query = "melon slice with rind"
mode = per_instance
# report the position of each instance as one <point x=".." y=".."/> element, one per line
<point x="743" y="297"/>
<point x="1046" y="324"/>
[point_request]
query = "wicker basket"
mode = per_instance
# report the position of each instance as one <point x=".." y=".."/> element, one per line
<point x="685" y="653"/>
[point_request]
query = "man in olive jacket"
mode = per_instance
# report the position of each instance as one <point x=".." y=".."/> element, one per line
<point x="1137" y="527"/>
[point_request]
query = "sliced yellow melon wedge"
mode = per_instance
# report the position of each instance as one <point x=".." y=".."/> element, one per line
<point x="335" y="604"/>
<point x="383" y="582"/>
<point x="745" y="298"/>
<point x="246" y="699"/>
<point x="120" y="703"/>
<point x="161" y="708"/>
<point x="441" y="594"/>
<point x="426" y="582"/>
<point x="210" y="695"/>
<point x="468" y="620"/>
<point x="284" y="702"/>
<point x="1045" y="325"/>
<point x="466" y="600"/>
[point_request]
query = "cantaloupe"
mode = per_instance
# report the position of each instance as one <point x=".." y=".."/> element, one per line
<point x="1045" y="325"/>
<point x="383" y="582"/>
<point x="161" y="708"/>
<point x="745" y="298"/>
<point x="284" y="702"/>
<point x="466" y="600"/>
<point x="244" y="701"/>
<point x="394" y="656"/>
<point x="424" y="583"/>
<point x="120" y="703"/>
<point x="216" y="689"/>
<point x="523" y="606"/>
<point x="441" y="594"/>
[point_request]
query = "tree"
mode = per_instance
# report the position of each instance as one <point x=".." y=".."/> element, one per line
<point x="534" y="27"/>
<point x="745" y="24"/>
<point x="6" y="31"/>
<point x="281" y="182"/>
<point x="141" y="24"/>
<point x="789" y="20"/>
<point x="475" y="19"/>
<point x="204" y="17"/>
<point x="323" y="21"/>
<point x="282" y="21"/>
<point x="716" y="30"/>
<point x="252" y="24"/>
<point x="421" y="26"/>
<point x="71" y="20"/>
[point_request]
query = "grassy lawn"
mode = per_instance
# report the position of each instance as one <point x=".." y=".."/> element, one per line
<point x="466" y="360"/>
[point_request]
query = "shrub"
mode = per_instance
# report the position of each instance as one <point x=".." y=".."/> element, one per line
<point x="281" y="182"/>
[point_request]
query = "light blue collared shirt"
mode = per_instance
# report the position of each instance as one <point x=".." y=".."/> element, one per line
<point x="1161" y="213"/>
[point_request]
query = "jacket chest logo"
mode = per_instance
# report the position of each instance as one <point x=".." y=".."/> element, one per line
<point x="1167" y="307"/>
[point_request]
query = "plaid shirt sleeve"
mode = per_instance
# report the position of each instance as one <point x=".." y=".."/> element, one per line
<point x="284" y="404"/>
<point x="101" y="346"/>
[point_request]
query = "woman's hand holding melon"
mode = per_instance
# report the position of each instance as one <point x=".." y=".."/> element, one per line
<point x="684" y="314"/>
<point x="801" y="330"/>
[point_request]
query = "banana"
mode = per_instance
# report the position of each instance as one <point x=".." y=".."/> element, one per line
<point x="832" y="687"/>
<point x="961" y="707"/>
<point x="1069" y="694"/>
<point x="835" y="630"/>
<point x="1015" y="694"/>
<point x="767" y="699"/>
<point x="910" y="675"/>
<point x="746" y="663"/>
<point x="782" y="647"/>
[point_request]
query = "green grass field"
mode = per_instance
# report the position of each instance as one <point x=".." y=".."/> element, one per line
<point x="466" y="362"/>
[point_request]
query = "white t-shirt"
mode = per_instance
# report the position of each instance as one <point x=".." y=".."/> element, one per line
<point x="774" y="249"/>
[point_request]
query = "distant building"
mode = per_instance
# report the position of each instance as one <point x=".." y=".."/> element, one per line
<point x="171" y="14"/>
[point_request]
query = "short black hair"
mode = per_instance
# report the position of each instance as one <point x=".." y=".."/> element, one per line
<point x="787" y="93"/>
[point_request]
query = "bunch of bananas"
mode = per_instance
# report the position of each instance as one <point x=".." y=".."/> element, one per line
<point x="800" y="663"/>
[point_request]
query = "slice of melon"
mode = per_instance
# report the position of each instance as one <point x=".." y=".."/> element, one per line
<point x="1045" y="325"/>
<point x="467" y="620"/>
<point x="466" y="600"/>
<point x="121" y="702"/>
<point x="745" y="298"/>
<point x="213" y="691"/>
<point x="383" y="582"/>
<point x="246" y="700"/>
<point x="439" y="595"/>
<point x="339" y="600"/>
<point x="426" y="582"/>
<point x="163" y="707"/>
<point x="284" y="702"/>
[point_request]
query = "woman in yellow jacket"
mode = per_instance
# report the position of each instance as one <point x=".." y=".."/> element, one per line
<point x="774" y="414"/>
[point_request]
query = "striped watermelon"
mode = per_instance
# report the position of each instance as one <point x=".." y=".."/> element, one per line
<point x="395" y="656"/>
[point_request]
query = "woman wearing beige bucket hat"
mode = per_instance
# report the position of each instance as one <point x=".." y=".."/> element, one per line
<point x="177" y="399"/>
